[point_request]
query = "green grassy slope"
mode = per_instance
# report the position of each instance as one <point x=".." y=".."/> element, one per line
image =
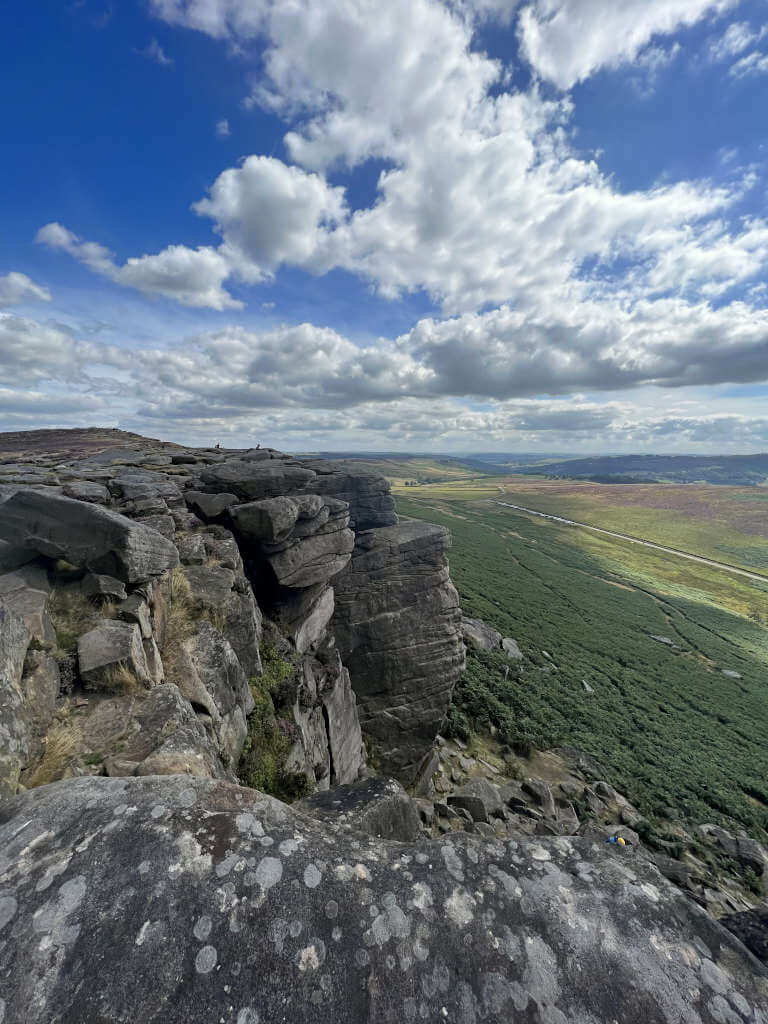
<point x="669" y="727"/>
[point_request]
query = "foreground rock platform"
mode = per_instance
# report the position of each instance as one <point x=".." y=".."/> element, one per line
<point x="173" y="899"/>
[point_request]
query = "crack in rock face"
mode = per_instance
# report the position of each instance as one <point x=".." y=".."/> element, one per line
<point x="201" y="900"/>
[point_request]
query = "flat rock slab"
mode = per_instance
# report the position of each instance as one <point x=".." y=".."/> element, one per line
<point x="111" y="644"/>
<point x="176" y="900"/>
<point x="86" y="535"/>
<point x="253" y="480"/>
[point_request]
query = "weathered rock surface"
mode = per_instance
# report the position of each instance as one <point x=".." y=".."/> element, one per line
<point x="104" y="587"/>
<point x="178" y="899"/>
<point x="481" y="798"/>
<point x="14" y="641"/>
<point x="87" y="490"/>
<point x="40" y="689"/>
<point x="210" y="506"/>
<point x="751" y="927"/>
<point x="479" y="634"/>
<point x="254" y="480"/>
<point x="212" y="679"/>
<point x="379" y="807"/>
<point x="26" y="592"/>
<point x="370" y="503"/>
<point x="86" y="534"/>
<point x="304" y="540"/>
<point x="227" y="597"/>
<point x="108" y="647"/>
<point x="397" y="626"/>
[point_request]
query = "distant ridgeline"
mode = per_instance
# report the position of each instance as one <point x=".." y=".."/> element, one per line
<point x="739" y="470"/>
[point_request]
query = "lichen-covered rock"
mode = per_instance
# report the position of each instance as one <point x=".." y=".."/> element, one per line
<point x="191" y="548"/>
<point x="397" y="626"/>
<point x="14" y="744"/>
<point x="179" y="899"/>
<point x="86" y="535"/>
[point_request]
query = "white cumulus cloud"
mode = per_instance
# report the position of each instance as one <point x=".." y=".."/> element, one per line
<point x="566" y="41"/>
<point x="15" y="287"/>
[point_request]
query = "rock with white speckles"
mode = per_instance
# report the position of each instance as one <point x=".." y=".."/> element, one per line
<point x="170" y="900"/>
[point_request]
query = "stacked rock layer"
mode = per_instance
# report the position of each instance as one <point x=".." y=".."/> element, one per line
<point x="134" y="583"/>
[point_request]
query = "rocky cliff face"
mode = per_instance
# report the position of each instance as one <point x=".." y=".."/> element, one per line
<point x="176" y="621"/>
<point x="397" y="624"/>
<point x="134" y="585"/>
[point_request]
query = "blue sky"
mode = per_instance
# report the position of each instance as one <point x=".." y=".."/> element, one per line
<point x="464" y="225"/>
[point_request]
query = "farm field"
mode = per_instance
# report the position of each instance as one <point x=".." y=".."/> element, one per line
<point x="728" y="524"/>
<point x="673" y="731"/>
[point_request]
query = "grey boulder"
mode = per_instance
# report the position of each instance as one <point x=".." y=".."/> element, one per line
<point x="379" y="807"/>
<point x="479" y="634"/>
<point x="111" y="646"/>
<point x="86" y="535"/>
<point x="481" y="798"/>
<point x="108" y="588"/>
<point x="511" y="649"/>
<point x="254" y="480"/>
<point x="175" y="899"/>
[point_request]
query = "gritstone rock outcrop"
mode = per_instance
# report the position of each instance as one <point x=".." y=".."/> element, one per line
<point x="397" y="625"/>
<point x="157" y="565"/>
<point x="176" y="621"/>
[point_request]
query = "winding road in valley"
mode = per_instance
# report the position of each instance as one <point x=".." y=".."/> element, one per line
<point x="645" y="543"/>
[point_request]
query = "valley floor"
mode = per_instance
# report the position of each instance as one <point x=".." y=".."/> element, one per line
<point x="655" y="666"/>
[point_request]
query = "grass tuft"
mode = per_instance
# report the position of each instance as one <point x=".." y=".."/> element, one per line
<point x="179" y="623"/>
<point x="262" y="764"/>
<point x="72" y="614"/>
<point x="61" y="749"/>
<point x="120" y="679"/>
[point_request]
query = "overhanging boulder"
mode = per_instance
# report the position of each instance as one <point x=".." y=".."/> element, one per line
<point x="86" y="535"/>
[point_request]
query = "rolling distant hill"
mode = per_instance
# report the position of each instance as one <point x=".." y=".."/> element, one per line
<point x="741" y="470"/>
